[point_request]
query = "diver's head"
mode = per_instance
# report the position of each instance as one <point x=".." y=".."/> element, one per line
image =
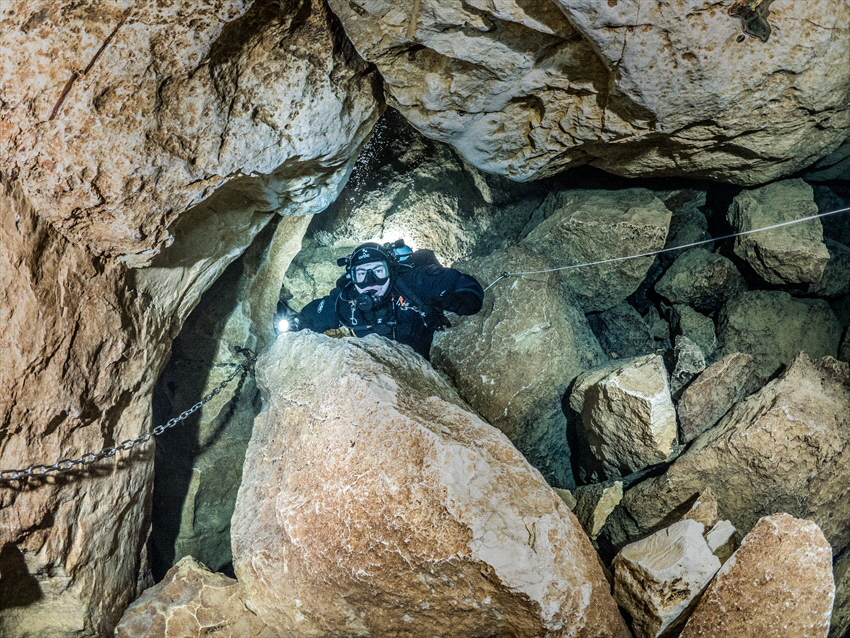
<point x="369" y="269"/>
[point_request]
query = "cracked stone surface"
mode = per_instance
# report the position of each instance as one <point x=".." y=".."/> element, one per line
<point x="637" y="87"/>
<point x="778" y="583"/>
<point x="122" y="116"/>
<point x="192" y="602"/>
<point x="367" y="475"/>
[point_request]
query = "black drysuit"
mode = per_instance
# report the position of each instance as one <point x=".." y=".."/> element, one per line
<point x="394" y="317"/>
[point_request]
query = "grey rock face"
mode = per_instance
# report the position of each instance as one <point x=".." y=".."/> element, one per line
<point x="696" y="327"/>
<point x="773" y="326"/>
<point x="715" y="391"/>
<point x="701" y="279"/>
<point x="622" y="332"/>
<point x="355" y="432"/>
<point x="835" y="281"/>
<point x="782" y="449"/>
<point x="528" y="89"/>
<point x="514" y="360"/>
<point x="792" y="254"/>
<point x="689" y="361"/>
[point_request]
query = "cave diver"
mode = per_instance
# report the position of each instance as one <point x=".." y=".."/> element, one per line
<point x="391" y="291"/>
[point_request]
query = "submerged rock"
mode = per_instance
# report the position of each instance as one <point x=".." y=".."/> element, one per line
<point x="783" y="448"/>
<point x="192" y="601"/>
<point x="700" y="279"/>
<point x="695" y="326"/>
<point x="374" y="502"/>
<point x="774" y="327"/>
<point x="793" y="254"/>
<point x="622" y="332"/>
<point x="629" y="417"/>
<point x="778" y="583"/>
<point x="714" y="392"/>
<point x="658" y="579"/>
<point x="590" y="226"/>
<point x="515" y="359"/>
<point x="528" y="89"/>
<point x="131" y="117"/>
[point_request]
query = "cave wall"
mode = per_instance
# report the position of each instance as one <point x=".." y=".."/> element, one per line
<point x="144" y="147"/>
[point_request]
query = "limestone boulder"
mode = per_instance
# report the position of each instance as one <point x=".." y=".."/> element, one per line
<point x="118" y="120"/>
<point x="695" y="326"/>
<point x="629" y="417"/>
<point x="688" y="223"/>
<point x="834" y="198"/>
<point x="722" y="540"/>
<point x="785" y="448"/>
<point x="658" y="579"/>
<point x="191" y="602"/>
<point x="700" y="279"/>
<point x="375" y="502"/>
<point x="594" y="503"/>
<point x="590" y="226"/>
<point x="622" y="332"/>
<point x="198" y="466"/>
<point x="514" y="360"/>
<point x="793" y="254"/>
<point x="778" y="583"/>
<point x="774" y="327"/>
<point x="527" y="90"/>
<point x="834" y="166"/>
<point x="714" y="392"/>
<point x="840" y="621"/>
<point x="405" y="185"/>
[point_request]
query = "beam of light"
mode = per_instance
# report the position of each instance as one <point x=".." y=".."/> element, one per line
<point x="283" y="325"/>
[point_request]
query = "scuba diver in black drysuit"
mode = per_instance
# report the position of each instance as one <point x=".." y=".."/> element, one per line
<point x="391" y="291"/>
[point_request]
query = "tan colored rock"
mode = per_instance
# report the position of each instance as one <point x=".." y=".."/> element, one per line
<point x="594" y="503"/>
<point x="514" y="360"/>
<point x="629" y="417"/>
<point x="775" y="327"/>
<point x="778" y="583"/>
<point x="199" y="467"/>
<point x="793" y="254"/>
<point x="118" y="120"/>
<point x="590" y="226"/>
<point x="704" y="510"/>
<point x="528" y="89"/>
<point x="191" y="602"/>
<point x="714" y="392"/>
<point x="784" y="447"/>
<point x="658" y="579"/>
<point x="566" y="496"/>
<point x="721" y="540"/>
<point x="374" y="502"/>
<point x="840" y="621"/>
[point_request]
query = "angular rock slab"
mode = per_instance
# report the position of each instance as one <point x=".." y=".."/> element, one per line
<point x="774" y="327"/>
<point x="514" y="360"/>
<point x="374" y="502"/>
<point x="793" y="254"/>
<point x="191" y="602"/>
<point x="527" y="89"/>
<point x="786" y="447"/>
<point x="701" y="279"/>
<point x="658" y="578"/>
<point x="629" y="417"/>
<point x="717" y="389"/>
<point x="778" y="583"/>
<point x="597" y="225"/>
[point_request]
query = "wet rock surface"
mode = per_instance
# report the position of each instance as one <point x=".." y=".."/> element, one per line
<point x="781" y="449"/>
<point x="528" y="90"/>
<point x="348" y="455"/>
<point x="779" y="582"/>
<point x="119" y="120"/>
<point x="192" y="602"/>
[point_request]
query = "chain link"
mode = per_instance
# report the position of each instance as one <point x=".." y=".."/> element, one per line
<point x="66" y="465"/>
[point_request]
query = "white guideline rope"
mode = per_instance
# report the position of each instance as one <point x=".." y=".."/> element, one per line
<point x="505" y="275"/>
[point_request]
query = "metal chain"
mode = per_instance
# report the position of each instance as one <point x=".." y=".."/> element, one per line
<point x="66" y="465"/>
